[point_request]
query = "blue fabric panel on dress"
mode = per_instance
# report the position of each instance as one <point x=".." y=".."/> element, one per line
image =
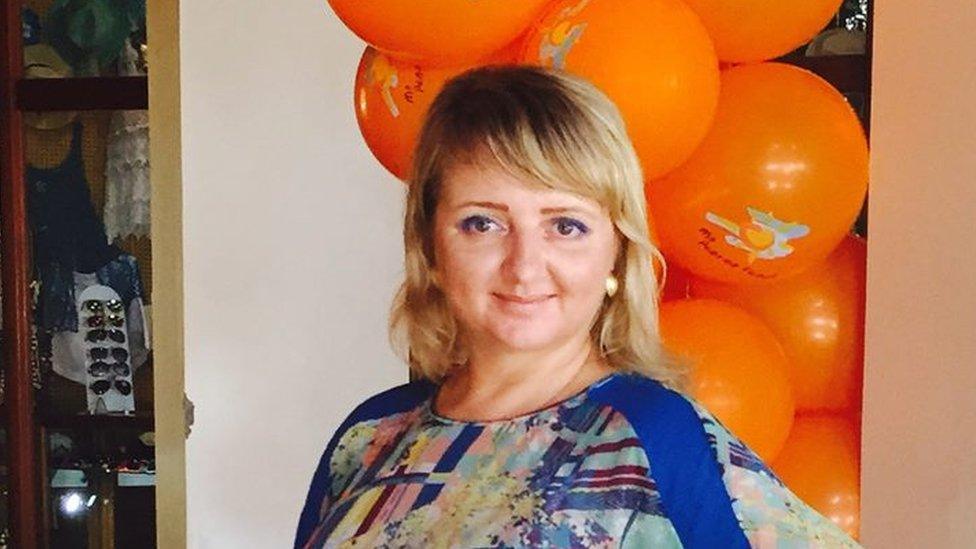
<point x="683" y="463"/>
<point x="392" y="401"/>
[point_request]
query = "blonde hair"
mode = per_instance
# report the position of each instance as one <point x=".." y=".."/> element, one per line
<point x="556" y="130"/>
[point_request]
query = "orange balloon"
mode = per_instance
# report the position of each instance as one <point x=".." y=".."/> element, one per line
<point x="757" y="30"/>
<point x="738" y="369"/>
<point x="818" y="316"/>
<point x="391" y="99"/>
<point x="820" y="463"/>
<point x="438" y="32"/>
<point x="653" y="58"/>
<point x="775" y="185"/>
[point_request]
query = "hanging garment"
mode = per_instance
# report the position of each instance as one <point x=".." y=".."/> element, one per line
<point x="67" y="235"/>
<point x="127" y="191"/>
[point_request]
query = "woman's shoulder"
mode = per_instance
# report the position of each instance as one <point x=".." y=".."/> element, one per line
<point x="672" y="426"/>
<point x="672" y="422"/>
<point x="392" y="401"/>
<point x="703" y="470"/>
<point x="644" y="401"/>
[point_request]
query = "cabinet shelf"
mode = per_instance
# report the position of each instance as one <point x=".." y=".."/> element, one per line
<point x="81" y="94"/>
<point x="143" y="421"/>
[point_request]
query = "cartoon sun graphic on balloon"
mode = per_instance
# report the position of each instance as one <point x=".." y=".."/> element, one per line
<point x="558" y="39"/>
<point x="383" y="74"/>
<point x="763" y="236"/>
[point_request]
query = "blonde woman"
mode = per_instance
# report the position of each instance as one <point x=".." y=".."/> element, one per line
<point x="544" y="411"/>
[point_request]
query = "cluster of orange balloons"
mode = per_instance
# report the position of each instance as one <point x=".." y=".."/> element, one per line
<point x="757" y="30"/>
<point x="756" y="225"/>
<point x="780" y="364"/>
<point x="754" y="173"/>
<point x="821" y="464"/>
<point x="773" y="187"/>
<point x="765" y="287"/>
<point x="818" y="316"/>
<point x="739" y="369"/>
<point x="653" y="58"/>
<point x="658" y="60"/>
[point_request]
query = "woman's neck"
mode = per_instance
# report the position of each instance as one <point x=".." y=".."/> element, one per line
<point x="495" y="385"/>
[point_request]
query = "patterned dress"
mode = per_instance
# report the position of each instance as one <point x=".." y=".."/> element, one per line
<point x="624" y="463"/>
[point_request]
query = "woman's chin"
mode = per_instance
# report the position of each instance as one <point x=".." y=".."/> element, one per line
<point x="526" y="339"/>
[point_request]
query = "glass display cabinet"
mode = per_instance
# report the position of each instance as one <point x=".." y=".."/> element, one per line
<point x="78" y="460"/>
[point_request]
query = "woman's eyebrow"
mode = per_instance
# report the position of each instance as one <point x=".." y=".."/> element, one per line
<point x="563" y="209"/>
<point x="504" y="208"/>
<point x="480" y="204"/>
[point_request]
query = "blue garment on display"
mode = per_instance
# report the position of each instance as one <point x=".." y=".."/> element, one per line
<point x="67" y="235"/>
<point x="122" y="275"/>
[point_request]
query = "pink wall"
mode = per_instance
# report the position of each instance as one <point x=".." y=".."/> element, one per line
<point x="919" y="435"/>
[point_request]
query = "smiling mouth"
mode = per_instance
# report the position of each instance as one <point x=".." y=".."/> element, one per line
<point x="526" y="300"/>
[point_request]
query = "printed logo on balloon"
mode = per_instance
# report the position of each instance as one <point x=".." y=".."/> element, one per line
<point x="785" y="150"/>
<point x="762" y="237"/>
<point x="652" y="58"/>
<point x="559" y="38"/>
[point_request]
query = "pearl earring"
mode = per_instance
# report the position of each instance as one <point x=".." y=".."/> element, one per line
<point x="612" y="286"/>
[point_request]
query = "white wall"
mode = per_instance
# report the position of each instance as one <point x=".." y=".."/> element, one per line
<point x="292" y="254"/>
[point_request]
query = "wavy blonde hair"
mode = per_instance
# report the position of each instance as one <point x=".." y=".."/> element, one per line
<point x="557" y="131"/>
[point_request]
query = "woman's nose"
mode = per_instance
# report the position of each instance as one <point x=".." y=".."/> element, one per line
<point x="526" y="255"/>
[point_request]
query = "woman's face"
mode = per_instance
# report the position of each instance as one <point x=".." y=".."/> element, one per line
<point x="522" y="268"/>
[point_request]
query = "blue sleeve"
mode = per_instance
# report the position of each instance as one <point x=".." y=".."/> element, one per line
<point x="714" y="489"/>
<point x="769" y="513"/>
<point x="389" y="402"/>
<point x="681" y="459"/>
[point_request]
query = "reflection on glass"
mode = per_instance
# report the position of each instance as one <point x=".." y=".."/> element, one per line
<point x="87" y="183"/>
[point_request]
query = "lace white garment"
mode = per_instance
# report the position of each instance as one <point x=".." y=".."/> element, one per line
<point x="127" y="190"/>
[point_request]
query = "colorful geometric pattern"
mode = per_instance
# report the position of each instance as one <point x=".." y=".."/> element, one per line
<point x="768" y="512"/>
<point x="575" y="475"/>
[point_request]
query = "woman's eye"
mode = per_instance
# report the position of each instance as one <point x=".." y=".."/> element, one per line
<point x="477" y="223"/>
<point x="566" y="226"/>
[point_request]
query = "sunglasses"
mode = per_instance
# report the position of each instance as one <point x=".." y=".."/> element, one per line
<point x="101" y="353"/>
<point x="102" y="386"/>
<point x="100" y="334"/>
<point x="99" y="305"/>
<point x="99" y="368"/>
<point x="97" y="320"/>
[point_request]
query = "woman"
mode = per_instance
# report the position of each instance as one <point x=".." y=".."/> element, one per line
<point x="545" y="412"/>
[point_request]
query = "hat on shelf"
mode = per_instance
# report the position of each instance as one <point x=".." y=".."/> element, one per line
<point x="837" y="41"/>
<point x="41" y="61"/>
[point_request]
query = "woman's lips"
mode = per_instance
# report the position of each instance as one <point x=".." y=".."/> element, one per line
<point x="530" y="299"/>
<point x="522" y="305"/>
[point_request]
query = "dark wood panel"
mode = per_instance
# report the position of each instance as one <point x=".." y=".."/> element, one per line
<point x="24" y="503"/>
<point x="140" y="421"/>
<point x="83" y="94"/>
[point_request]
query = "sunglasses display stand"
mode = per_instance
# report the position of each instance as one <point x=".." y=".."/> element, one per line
<point x="108" y="380"/>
